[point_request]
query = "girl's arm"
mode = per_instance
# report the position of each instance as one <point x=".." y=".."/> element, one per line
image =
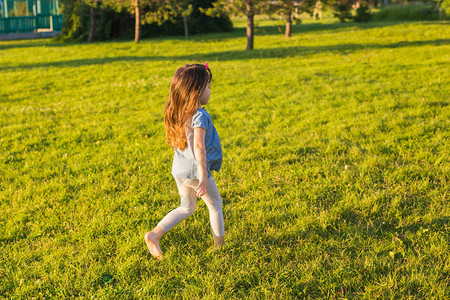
<point x="200" y="154"/>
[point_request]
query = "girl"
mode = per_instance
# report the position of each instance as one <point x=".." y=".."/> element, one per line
<point x="189" y="130"/>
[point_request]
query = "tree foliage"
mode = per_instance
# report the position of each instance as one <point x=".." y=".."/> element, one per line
<point x="343" y="10"/>
<point x="75" y="24"/>
<point x="290" y="9"/>
<point x="443" y="7"/>
<point x="116" y="18"/>
<point x="249" y="8"/>
<point x="363" y="13"/>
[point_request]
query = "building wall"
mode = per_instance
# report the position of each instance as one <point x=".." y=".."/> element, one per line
<point x="21" y="8"/>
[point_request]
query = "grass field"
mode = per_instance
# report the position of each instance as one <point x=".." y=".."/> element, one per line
<point x="335" y="178"/>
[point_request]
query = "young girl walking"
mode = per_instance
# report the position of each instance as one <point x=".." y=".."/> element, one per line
<point x="190" y="131"/>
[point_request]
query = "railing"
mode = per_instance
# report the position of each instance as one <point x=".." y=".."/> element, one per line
<point x="30" y="24"/>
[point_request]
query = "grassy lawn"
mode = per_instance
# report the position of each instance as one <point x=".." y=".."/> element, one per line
<point x="335" y="177"/>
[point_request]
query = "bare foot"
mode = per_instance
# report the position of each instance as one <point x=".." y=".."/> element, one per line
<point x="152" y="241"/>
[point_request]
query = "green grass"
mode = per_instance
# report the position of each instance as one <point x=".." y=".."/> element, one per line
<point x="335" y="176"/>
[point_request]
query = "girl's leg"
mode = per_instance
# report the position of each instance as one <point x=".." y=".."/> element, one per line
<point x="186" y="209"/>
<point x="214" y="202"/>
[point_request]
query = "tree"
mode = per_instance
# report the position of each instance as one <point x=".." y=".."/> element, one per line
<point x="153" y="11"/>
<point x="143" y="11"/>
<point x="180" y="8"/>
<point x="287" y="8"/>
<point x="342" y="10"/>
<point x="74" y="12"/>
<point x="186" y="10"/>
<point x="133" y="6"/>
<point x="363" y="13"/>
<point x="93" y="4"/>
<point x="86" y="20"/>
<point x="249" y="8"/>
<point x="137" y="17"/>
<point x="443" y="5"/>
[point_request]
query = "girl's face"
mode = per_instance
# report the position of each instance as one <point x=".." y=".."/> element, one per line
<point x="204" y="96"/>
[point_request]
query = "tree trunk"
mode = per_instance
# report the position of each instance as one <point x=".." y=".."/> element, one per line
<point x="250" y="32"/>
<point x="288" y="25"/>
<point x="185" y="27"/>
<point x="250" y="27"/>
<point x="92" y="29"/>
<point x="137" y="30"/>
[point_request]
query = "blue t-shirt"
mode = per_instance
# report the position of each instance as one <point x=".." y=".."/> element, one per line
<point x="184" y="162"/>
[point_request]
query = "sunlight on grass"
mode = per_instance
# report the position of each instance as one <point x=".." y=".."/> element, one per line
<point x="335" y="175"/>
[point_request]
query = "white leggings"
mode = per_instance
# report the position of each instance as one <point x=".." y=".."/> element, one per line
<point x="212" y="198"/>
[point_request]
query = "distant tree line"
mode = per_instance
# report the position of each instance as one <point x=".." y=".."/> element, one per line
<point x="251" y="8"/>
<point x="390" y="10"/>
<point x="99" y="20"/>
<point x="95" y="20"/>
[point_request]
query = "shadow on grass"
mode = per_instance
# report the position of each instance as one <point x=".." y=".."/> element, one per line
<point x="233" y="55"/>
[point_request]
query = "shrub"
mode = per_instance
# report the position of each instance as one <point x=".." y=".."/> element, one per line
<point x="363" y="13"/>
<point x="343" y="10"/>
<point x="411" y="11"/>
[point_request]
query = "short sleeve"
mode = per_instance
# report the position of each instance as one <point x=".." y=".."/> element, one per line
<point x="200" y="119"/>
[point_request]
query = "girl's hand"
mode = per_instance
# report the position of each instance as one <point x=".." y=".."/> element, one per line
<point x="202" y="187"/>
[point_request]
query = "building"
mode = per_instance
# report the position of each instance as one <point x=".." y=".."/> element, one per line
<point x="18" y="16"/>
<point x="24" y="8"/>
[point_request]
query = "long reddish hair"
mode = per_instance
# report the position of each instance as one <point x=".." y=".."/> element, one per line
<point x="187" y="84"/>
